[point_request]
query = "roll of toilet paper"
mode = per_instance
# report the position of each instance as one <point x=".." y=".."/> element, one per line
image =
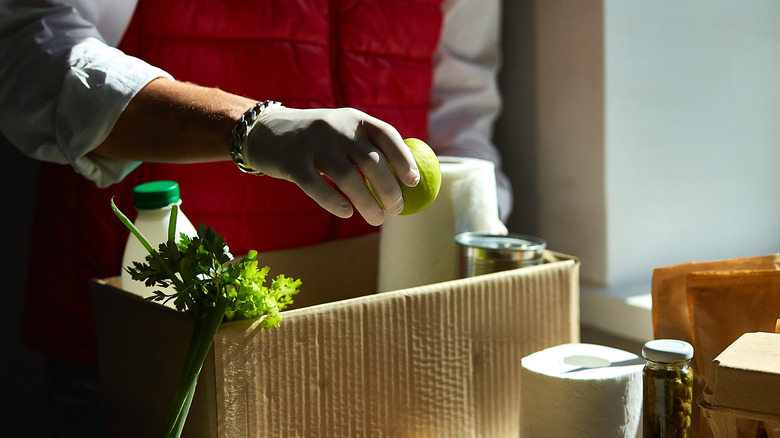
<point x="420" y="248"/>
<point x="581" y="390"/>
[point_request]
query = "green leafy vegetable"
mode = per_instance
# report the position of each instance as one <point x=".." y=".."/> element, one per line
<point x="206" y="285"/>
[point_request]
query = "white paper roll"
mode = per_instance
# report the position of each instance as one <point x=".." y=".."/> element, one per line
<point x="420" y="249"/>
<point x="580" y="390"/>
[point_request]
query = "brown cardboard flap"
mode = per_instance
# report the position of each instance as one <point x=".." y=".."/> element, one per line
<point x="141" y="349"/>
<point x="440" y="360"/>
<point x="331" y="271"/>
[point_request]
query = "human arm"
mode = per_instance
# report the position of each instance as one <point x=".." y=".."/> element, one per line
<point x="178" y="122"/>
<point x="465" y="99"/>
<point x="67" y="97"/>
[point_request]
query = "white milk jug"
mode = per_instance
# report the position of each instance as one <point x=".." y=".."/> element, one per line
<point x="154" y="202"/>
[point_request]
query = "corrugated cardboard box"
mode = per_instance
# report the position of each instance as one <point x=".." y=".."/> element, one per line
<point x="441" y="360"/>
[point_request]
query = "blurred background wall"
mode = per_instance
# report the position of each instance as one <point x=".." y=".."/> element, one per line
<point x="642" y="134"/>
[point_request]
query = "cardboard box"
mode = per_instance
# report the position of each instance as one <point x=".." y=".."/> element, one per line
<point x="441" y="360"/>
<point x="742" y="396"/>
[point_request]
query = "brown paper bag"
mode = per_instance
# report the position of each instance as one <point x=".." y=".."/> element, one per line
<point x="673" y="314"/>
<point x="724" y="305"/>
<point x="670" y="307"/>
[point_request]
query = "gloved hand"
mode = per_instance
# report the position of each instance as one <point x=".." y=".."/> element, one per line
<point x="301" y="145"/>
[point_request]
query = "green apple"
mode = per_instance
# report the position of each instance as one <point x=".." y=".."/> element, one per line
<point x="422" y="195"/>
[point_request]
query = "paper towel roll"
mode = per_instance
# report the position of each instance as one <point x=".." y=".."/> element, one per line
<point x="581" y="390"/>
<point x="420" y="248"/>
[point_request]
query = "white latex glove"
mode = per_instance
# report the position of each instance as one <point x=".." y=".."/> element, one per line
<point x="301" y="145"/>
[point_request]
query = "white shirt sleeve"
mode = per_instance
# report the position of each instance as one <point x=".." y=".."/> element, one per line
<point x="466" y="101"/>
<point x="62" y="87"/>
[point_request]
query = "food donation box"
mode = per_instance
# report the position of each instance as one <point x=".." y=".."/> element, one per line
<point x="440" y="360"/>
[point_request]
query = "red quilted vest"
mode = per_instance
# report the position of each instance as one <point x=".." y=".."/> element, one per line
<point x="374" y="55"/>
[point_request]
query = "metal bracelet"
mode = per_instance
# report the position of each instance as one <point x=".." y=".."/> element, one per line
<point x="240" y="134"/>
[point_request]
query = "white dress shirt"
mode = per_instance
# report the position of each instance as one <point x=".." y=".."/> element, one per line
<point x="63" y="84"/>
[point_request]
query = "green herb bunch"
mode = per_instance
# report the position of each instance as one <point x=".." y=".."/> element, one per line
<point x="209" y="285"/>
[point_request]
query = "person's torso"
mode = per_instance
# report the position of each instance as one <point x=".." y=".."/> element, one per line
<point x="374" y="55"/>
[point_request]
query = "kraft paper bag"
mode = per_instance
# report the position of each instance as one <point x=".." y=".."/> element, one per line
<point x="724" y="305"/>
<point x="670" y="307"/>
<point x="681" y="311"/>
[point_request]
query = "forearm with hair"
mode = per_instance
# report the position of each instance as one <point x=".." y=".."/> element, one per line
<point x="175" y="122"/>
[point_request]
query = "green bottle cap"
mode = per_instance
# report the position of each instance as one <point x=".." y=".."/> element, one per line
<point x="156" y="194"/>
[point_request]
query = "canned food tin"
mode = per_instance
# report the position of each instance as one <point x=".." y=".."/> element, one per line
<point x="480" y="253"/>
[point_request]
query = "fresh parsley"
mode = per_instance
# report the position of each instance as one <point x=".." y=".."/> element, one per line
<point x="208" y="284"/>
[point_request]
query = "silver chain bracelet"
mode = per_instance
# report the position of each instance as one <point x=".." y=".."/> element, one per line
<point x="240" y="134"/>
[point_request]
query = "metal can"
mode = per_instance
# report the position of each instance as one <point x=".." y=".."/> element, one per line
<point x="480" y="253"/>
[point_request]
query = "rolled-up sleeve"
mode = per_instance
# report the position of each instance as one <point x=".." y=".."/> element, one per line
<point x="62" y="88"/>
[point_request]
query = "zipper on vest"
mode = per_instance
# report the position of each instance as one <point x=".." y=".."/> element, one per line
<point x="335" y="58"/>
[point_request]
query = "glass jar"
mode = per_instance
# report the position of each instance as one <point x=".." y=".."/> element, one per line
<point x="668" y="389"/>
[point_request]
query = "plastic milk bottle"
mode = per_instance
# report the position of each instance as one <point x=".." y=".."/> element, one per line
<point x="154" y="202"/>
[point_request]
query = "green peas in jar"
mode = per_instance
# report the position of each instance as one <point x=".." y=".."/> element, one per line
<point x="668" y="389"/>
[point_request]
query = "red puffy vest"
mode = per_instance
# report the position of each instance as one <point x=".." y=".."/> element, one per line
<point x="374" y="55"/>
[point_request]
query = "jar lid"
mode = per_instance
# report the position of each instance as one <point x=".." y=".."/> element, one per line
<point x="667" y="351"/>
<point x="156" y="194"/>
